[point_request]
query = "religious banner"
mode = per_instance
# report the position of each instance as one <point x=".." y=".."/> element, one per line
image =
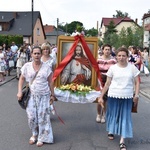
<point x="77" y="75"/>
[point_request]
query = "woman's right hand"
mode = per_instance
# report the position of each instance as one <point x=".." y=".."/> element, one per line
<point x="101" y="101"/>
<point x="19" y="96"/>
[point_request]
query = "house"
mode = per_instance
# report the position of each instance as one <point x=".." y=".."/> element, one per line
<point x="52" y="33"/>
<point x="119" y="23"/>
<point x="146" y="25"/>
<point x="20" y="23"/>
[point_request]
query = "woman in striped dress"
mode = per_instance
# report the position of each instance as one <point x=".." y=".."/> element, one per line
<point x="104" y="62"/>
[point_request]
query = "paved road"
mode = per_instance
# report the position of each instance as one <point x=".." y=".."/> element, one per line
<point x="80" y="131"/>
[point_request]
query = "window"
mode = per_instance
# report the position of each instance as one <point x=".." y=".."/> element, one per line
<point x="38" y="31"/>
<point x="0" y="28"/>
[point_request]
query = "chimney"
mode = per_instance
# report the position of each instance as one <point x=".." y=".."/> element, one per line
<point x="15" y="15"/>
<point x="136" y="21"/>
<point x="97" y="25"/>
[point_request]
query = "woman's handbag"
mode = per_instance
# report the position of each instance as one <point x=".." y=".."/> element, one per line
<point x="11" y="63"/>
<point x="146" y="71"/>
<point x="23" y="102"/>
<point x="134" y="108"/>
<point x="25" y="97"/>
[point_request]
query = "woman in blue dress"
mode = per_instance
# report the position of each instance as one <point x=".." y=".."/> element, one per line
<point x="123" y="89"/>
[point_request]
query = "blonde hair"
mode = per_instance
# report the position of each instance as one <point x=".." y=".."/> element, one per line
<point x="46" y="46"/>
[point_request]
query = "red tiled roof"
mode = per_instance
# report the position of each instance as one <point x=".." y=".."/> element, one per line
<point x="116" y="21"/>
<point x="49" y="28"/>
<point x="146" y="16"/>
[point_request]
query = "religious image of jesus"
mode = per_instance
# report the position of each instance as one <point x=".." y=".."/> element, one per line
<point x="78" y="70"/>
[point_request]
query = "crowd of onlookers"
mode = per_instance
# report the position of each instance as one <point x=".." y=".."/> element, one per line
<point x="14" y="57"/>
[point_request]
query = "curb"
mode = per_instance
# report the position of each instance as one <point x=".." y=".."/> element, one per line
<point x="8" y="80"/>
<point x="144" y="94"/>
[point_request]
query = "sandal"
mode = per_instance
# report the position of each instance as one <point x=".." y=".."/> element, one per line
<point x="122" y="146"/>
<point x="111" y="136"/>
<point x="32" y="140"/>
<point x="39" y="144"/>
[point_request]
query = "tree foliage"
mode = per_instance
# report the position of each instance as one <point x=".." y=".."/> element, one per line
<point x="92" y="32"/>
<point x="7" y="39"/>
<point x="77" y="26"/>
<point x="110" y="33"/>
<point x="126" y="37"/>
<point x="120" y="14"/>
<point x="71" y="27"/>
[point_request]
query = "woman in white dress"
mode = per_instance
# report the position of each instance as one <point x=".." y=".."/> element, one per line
<point x="46" y="56"/>
<point x="2" y="65"/>
<point x="42" y="95"/>
<point x="21" y="60"/>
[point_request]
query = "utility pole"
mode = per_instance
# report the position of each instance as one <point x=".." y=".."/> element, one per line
<point x="57" y="30"/>
<point x="32" y="24"/>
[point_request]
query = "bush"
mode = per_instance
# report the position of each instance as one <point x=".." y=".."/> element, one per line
<point x="7" y="39"/>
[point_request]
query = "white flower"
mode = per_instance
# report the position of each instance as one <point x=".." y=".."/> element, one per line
<point x="75" y="33"/>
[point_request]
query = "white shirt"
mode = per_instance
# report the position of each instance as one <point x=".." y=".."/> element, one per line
<point x="14" y="48"/>
<point x="122" y="83"/>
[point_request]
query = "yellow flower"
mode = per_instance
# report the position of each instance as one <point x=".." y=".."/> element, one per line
<point x="76" y="88"/>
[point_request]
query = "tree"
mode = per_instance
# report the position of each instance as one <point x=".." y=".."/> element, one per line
<point x="91" y="32"/>
<point x="138" y="36"/>
<point x="110" y="31"/>
<point x="120" y="14"/>
<point x="123" y="37"/>
<point x="130" y="36"/>
<point x="74" y="26"/>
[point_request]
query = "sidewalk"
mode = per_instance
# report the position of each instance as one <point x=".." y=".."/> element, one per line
<point x="9" y="78"/>
<point x="144" y="86"/>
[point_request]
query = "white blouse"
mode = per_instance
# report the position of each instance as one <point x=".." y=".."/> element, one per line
<point x="40" y="84"/>
<point x="122" y="83"/>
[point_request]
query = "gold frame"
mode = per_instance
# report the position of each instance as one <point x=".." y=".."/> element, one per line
<point x="65" y="42"/>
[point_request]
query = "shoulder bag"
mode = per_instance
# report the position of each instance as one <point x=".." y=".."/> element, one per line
<point x="23" y="102"/>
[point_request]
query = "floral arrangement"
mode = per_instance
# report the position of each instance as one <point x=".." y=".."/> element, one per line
<point x="76" y="88"/>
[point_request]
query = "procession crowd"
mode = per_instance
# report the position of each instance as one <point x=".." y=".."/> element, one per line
<point x="119" y="71"/>
<point x="14" y="57"/>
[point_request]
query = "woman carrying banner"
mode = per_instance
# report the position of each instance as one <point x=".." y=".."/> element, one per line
<point x="122" y="83"/>
<point x="42" y="94"/>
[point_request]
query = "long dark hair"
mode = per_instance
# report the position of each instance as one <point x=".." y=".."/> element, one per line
<point x="82" y="55"/>
<point x="135" y="50"/>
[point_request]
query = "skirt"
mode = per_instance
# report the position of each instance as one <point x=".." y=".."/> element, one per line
<point x="118" y="116"/>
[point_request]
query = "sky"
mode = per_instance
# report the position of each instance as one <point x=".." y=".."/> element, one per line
<point x="88" y="12"/>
